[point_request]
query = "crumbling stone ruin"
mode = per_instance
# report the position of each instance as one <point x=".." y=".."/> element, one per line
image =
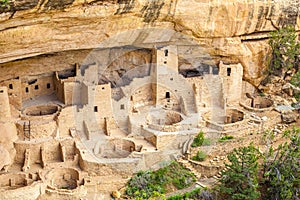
<point x="92" y="92"/>
<point x="73" y="128"/>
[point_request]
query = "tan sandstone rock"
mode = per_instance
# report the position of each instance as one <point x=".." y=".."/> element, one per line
<point x="5" y="158"/>
<point x="233" y="31"/>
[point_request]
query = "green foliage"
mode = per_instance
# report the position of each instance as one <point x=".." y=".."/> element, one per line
<point x="200" y="156"/>
<point x="153" y="184"/>
<point x="284" y="47"/>
<point x="268" y="137"/>
<point x="240" y="180"/>
<point x="296" y="79"/>
<point x="225" y="138"/>
<point x="198" y="141"/>
<point x="4" y="3"/>
<point x="282" y="169"/>
<point x="194" y="194"/>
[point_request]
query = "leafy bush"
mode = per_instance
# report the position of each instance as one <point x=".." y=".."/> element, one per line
<point x="4" y="3"/>
<point x="296" y="79"/>
<point x="151" y="184"/>
<point x="200" y="156"/>
<point x="225" y="138"/>
<point x="194" y="194"/>
<point x="199" y="139"/>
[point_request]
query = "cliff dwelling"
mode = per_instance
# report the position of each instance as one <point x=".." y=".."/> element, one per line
<point x="79" y="115"/>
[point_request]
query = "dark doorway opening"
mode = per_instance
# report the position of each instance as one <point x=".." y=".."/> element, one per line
<point x="167" y="95"/>
<point x="228" y="71"/>
<point x="166" y="52"/>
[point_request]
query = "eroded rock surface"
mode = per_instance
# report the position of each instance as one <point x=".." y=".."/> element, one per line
<point x="5" y="158"/>
<point x="232" y="31"/>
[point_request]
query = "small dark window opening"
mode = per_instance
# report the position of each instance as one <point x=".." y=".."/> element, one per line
<point x="36" y="87"/>
<point x="131" y="98"/>
<point x="26" y="90"/>
<point x="11" y="86"/>
<point x="122" y="107"/>
<point x="171" y="79"/>
<point x="165" y="62"/>
<point x="166" y="52"/>
<point x="95" y="108"/>
<point x="167" y="95"/>
<point x="103" y="88"/>
<point x="1" y="91"/>
<point x="48" y="85"/>
<point x="228" y="71"/>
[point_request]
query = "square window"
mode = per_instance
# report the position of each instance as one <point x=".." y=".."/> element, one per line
<point x="36" y="87"/>
<point x="10" y="86"/>
<point x="1" y="91"/>
<point x="171" y="79"/>
<point x="122" y="107"/>
<point x="48" y="85"/>
<point x="165" y="62"/>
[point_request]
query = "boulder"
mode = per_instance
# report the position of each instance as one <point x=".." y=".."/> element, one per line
<point x="290" y="89"/>
<point x="289" y="117"/>
<point x="116" y="194"/>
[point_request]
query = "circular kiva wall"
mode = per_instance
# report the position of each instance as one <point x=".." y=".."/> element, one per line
<point x="233" y="115"/>
<point x="63" y="178"/>
<point x="233" y="120"/>
<point x="41" y="110"/>
<point x="12" y="181"/>
<point x="164" y="118"/>
<point x="116" y="148"/>
<point x="39" y="121"/>
<point x="168" y="121"/>
<point x="258" y="104"/>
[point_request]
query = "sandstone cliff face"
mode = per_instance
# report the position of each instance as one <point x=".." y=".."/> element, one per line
<point x="53" y="34"/>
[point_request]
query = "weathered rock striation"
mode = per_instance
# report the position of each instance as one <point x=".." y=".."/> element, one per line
<point x="45" y="31"/>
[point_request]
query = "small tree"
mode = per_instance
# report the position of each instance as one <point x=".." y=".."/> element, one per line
<point x="282" y="169"/>
<point x="240" y="180"/>
<point x="284" y="49"/>
<point x="198" y="140"/>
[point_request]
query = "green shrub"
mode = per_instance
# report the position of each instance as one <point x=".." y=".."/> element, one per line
<point x="198" y="141"/>
<point x="284" y="48"/>
<point x="296" y="79"/>
<point x="151" y="184"/>
<point x="225" y="138"/>
<point x="200" y="156"/>
<point x="194" y="194"/>
<point x="4" y="3"/>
